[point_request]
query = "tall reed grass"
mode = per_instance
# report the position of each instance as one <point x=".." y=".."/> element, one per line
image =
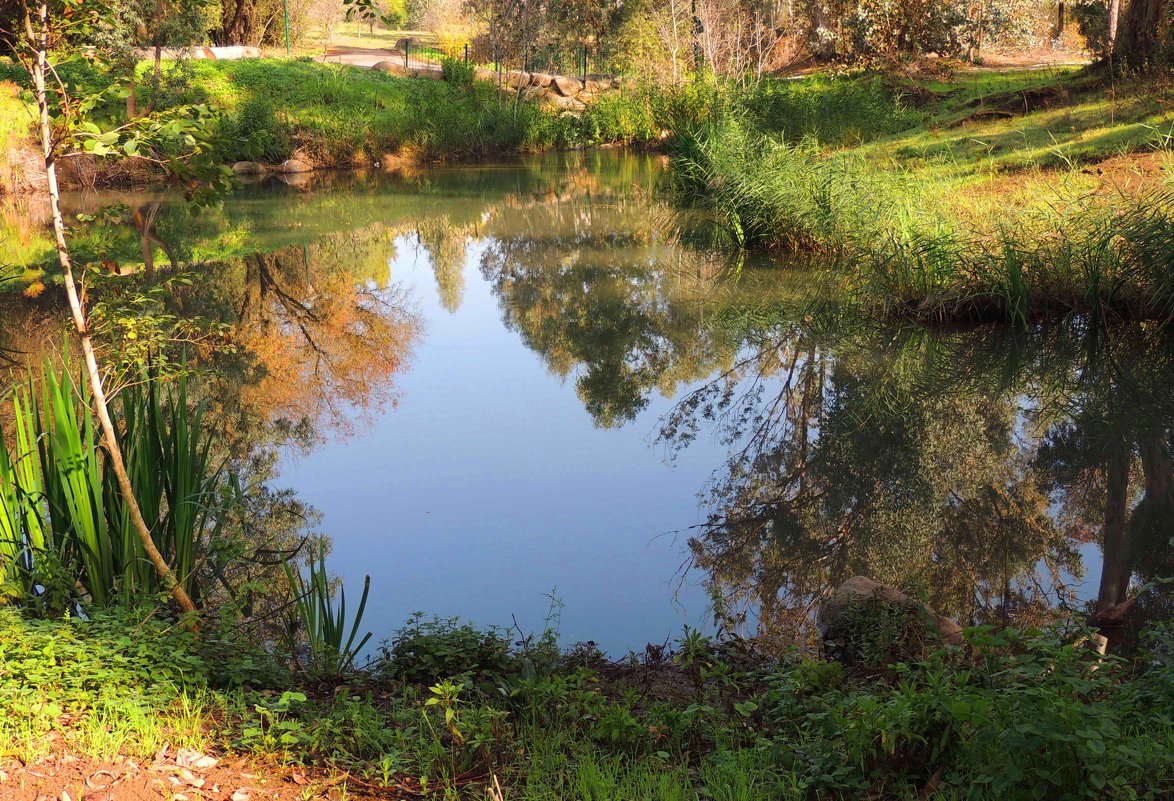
<point x="902" y="254"/>
<point x="65" y="531"/>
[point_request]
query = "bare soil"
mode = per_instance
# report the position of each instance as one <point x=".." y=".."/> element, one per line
<point x="181" y="775"/>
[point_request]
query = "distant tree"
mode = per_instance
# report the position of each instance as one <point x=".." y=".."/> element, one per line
<point x="132" y="27"/>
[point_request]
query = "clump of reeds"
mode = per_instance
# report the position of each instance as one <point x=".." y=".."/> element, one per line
<point x="1110" y="261"/>
<point x="1096" y="256"/>
<point x="771" y="195"/>
<point x="65" y="531"/>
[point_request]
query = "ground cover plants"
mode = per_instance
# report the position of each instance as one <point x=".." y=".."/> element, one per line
<point x="1012" y="715"/>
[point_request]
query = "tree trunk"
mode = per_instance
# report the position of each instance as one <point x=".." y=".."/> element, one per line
<point x="1136" y="40"/>
<point x="132" y="104"/>
<point x="110" y="440"/>
<point x="1115" y="569"/>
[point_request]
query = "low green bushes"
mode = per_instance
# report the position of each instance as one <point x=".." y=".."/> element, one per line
<point x="832" y="110"/>
<point x="1012" y="716"/>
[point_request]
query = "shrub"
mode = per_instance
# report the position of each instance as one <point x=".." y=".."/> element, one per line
<point x="429" y="651"/>
<point x="457" y="71"/>
<point x="254" y="133"/>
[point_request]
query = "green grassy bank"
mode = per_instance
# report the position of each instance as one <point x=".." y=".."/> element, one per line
<point x="983" y="197"/>
<point x="451" y="711"/>
<point x="269" y="110"/>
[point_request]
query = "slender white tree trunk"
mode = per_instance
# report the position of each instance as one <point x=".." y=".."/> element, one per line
<point x="40" y="68"/>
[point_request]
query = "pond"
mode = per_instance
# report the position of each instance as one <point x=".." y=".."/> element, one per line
<point x="492" y="386"/>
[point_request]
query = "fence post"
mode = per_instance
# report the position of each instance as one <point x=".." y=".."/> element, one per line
<point x="407" y="49"/>
<point x="466" y="52"/>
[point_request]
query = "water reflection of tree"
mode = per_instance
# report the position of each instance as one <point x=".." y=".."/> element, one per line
<point x="445" y="242"/>
<point x="1106" y="456"/>
<point x="593" y="286"/>
<point x="924" y="460"/>
<point x="318" y="332"/>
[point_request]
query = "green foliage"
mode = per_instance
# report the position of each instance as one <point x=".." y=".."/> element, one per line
<point x="430" y="651"/>
<point x="457" y="71"/>
<point x="332" y="647"/>
<point x="63" y="523"/>
<point x="1103" y="260"/>
<point x="117" y="682"/>
<point x="254" y="132"/>
<point x="874" y="633"/>
<point x="829" y="110"/>
<point x="1025" y="715"/>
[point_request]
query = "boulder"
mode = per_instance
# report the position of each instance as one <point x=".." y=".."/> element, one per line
<point x="426" y="73"/>
<point x="541" y="79"/>
<point x="482" y="74"/>
<point x="567" y="87"/>
<point x="293" y="166"/>
<point x="233" y="52"/>
<point x="597" y="83"/>
<point x="518" y="79"/>
<point x="585" y="96"/>
<point x="564" y="103"/>
<point x="860" y="588"/>
<point x="247" y="168"/>
<point x="391" y="67"/>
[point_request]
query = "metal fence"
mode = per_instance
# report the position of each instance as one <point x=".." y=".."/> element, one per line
<point x="579" y="61"/>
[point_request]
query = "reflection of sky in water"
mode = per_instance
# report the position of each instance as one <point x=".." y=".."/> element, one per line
<point x="489" y="486"/>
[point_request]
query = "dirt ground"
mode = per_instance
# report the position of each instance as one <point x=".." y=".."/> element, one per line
<point x="182" y="775"/>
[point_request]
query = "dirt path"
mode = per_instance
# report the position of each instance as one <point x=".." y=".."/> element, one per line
<point x="370" y="56"/>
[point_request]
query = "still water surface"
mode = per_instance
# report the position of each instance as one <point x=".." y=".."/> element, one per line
<point x="504" y="382"/>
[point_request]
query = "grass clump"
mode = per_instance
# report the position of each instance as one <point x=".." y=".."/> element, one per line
<point x="1105" y="260"/>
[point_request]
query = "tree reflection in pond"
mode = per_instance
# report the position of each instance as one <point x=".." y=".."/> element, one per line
<point x="968" y="466"/>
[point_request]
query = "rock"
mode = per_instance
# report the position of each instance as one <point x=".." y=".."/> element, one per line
<point x="518" y="79"/>
<point x="567" y="87"/>
<point x="426" y="73"/>
<point x="233" y="52"/>
<point x="564" y="103"/>
<point x="292" y="166"/>
<point x="597" y="83"/>
<point x="390" y="67"/>
<point x="863" y="588"/>
<point x="482" y="74"/>
<point x="247" y="168"/>
<point x="541" y="79"/>
<point x="533" y="93"/>
<point x="585" y="96"/>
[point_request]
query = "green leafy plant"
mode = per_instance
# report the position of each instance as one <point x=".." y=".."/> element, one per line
<point x="62" y="512"/>
<point x="323" y="623"/>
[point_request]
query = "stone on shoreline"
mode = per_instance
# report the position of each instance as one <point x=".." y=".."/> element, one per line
<point x="294" y="166"/>
<point x="862" y="588"/>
